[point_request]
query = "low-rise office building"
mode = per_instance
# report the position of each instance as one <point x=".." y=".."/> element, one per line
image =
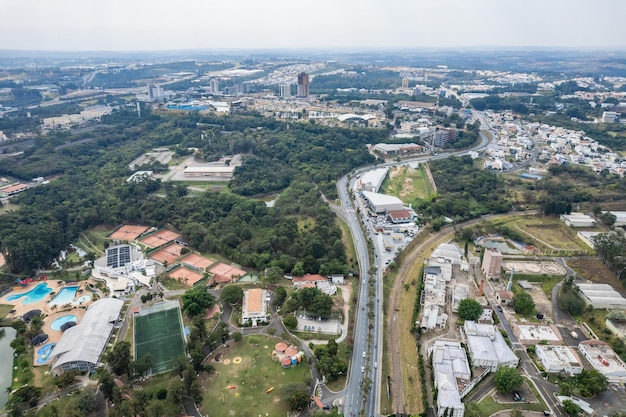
<point x="559" y="359"/>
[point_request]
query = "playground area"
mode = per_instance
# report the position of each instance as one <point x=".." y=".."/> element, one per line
<point x="249" y="379"/>
<point x="158" y="331"/>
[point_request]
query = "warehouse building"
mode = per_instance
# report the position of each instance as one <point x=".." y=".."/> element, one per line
<point x="209" y="171"/>
<point x="601" y="296"/>
<point x="381" y="203"/>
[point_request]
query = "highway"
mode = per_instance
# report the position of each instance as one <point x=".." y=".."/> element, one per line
<point x="367" y="351"/>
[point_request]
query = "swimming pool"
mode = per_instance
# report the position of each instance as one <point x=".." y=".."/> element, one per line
<point x="43" y="353"/>
<point x="56" y="325"/>
<point x="65" y="296"/>
<point x="34" y="295"/>
<point x="82" y="299"/>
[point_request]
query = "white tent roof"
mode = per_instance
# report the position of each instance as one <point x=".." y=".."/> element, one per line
<point x="87" y="340"/>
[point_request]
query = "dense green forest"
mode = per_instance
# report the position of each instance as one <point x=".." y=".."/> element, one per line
<point x="464" y="191"/>
<point x="297" y="160"/>
<point x="360" y="78"/>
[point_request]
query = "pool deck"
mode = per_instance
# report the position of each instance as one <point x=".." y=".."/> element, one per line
<point x="50" y="313"/>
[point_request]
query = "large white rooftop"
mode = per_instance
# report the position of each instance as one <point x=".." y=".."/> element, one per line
<point x="378" y="199"/>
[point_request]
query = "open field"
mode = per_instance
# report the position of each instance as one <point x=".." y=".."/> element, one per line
<point x="408" y="183"/>
<point x="548" y="234"/>
<point x="252" y="376"/>
<point x="594" y="270"/>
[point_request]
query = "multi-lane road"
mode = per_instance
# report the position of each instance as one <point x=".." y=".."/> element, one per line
<point x="367" y="351"/>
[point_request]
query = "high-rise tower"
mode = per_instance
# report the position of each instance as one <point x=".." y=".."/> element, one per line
<point x="303" y="85"/>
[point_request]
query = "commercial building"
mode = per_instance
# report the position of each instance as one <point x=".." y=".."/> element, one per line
<point x="284" y="91"/>
<point x="254" y="306"/>
<point x="601" y="296"/>
<point x="381" y="203"/>
<point x="492" y="262"/>
<point x="209" y="171"/>
<point x="450" y="367"/>
<point x="487" y="347"/>
<point x="390" y="149"/>
<point x="559" y="359"/>
<point x="155" y="92"/>
<point x="578" y="220"/>
<point x="610" y="117"/>
<point x="80" y="346"/>
<point x="214" y="86"/>
<point x="401" y="216"/>
<point x="533" y="334"/>
<point x="372" y="180"/>
<point x="604" y="359"/>
<point x="303" y="85"/>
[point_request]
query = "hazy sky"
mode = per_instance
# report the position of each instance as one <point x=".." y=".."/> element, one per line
<point x="122" y="25"/>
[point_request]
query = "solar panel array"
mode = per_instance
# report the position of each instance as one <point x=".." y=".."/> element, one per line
<point x="112" y="258"/>
<point x="124" y="255"/>
<point x="118" y="256"/>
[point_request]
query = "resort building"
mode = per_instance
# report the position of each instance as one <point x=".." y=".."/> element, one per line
<point x="254" y="306"/>
<point x="80" y="346"/>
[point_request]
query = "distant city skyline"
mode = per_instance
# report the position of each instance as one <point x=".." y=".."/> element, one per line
<point x="154" y="25"/>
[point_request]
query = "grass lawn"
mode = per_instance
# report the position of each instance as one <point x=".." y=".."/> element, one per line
<point x="252" y="377"/>
<point x="551" y="232"/>
<point x="408" y="183"/>
<point x="4" y="310"/>
<point x="305" y="223"/>
<point x="348" y="242"/>
<point x="173" y="284"/>
<point x="7" y="207"/>
<point x="488" y="406"/>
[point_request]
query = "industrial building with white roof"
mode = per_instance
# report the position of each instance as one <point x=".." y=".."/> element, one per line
<point x="602" y="296"/>
<point x="381" y="203"/>
<point x="559" y="359"/>
<point x="487" y="347"/>
<point x="450" y="364"/>
<point x="604" y="359"/>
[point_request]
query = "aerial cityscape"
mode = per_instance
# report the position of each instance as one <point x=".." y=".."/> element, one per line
<point x="340" y="209"/>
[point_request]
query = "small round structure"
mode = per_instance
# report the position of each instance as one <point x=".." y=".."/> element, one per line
<point x="281" y="347"/>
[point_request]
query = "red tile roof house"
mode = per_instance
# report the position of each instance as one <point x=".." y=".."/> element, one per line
<point x="308" y="279"/>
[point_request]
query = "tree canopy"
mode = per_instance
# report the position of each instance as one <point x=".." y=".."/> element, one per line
<point x="523" y="303"/>
<point x="469" y="309"/>
<point x="507" y="379"/>
<point x="232" y="294"/>
<point x="197" y="300"/>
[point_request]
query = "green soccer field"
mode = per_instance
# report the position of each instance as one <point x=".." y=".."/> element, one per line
<point x="159" y="334"/>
